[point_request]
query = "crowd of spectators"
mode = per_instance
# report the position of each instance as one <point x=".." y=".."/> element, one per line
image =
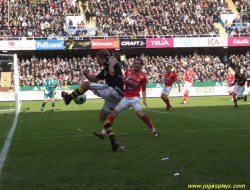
<point x="34" y="72"/>
<point x="149" y="18"/>
<point x="240" y="26"/>
<point x="157" y="17"/>
<point x="34" y="18"/>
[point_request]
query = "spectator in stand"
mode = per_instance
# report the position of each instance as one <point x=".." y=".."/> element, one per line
<point x="207" y="68"/>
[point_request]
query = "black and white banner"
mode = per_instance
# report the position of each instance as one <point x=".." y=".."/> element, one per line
<point x="133" y="43"/>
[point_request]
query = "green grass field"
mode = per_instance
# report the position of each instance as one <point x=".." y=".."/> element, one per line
<point x="206" y="141"/>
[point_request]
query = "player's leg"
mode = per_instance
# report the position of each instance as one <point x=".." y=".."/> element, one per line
<point x="44" y="102"/>
<point x="109" y="130"/>
<point x="240" y="95"/>
<point x="230" y="93"/>
<point x="235" y="92"/>
<point x="53" y="103"/>
<point x="185" y="96"/>
<point x="167" y="101"/>
<point x="77" y="92"/>
<point x="138" y="109"/>
<point x="111" y="118"/>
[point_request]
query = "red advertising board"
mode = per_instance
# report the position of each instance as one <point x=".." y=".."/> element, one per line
<point x="105" y="44"/>
<point x="160" y="42"/>
<point x="239" y="41"/>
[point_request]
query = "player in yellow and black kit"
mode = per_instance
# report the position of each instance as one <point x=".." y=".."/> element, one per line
<point x="248" y="82"/>
<point x="239" y="88"/>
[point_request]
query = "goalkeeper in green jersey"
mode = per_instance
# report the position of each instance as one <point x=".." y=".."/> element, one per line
<point x="49" y="92"/>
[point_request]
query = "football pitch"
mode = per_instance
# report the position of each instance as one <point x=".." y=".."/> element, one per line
<point x="206" y="141"/>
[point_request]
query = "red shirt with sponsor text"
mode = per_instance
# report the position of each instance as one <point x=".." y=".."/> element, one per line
<point x="170" y="78"/>
<point x="230" y="79"/>
<point x="189" y="76"/>
<point x="133" y="86"/>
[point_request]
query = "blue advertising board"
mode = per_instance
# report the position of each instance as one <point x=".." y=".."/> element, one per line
<point x="49" y="44"/>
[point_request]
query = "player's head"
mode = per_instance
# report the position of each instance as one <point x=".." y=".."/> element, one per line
<point x="248" y="72"/>
<point x="54" y="76"/>
<point x="102" y="56"/>
<point x="137" y="64"/>
<point x="191" y="68"/>
<point x="229" y="72"/>
<point x="237" y="68"/>
<point x="169" y="68"/>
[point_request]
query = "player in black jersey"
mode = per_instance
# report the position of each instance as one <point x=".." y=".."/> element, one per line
<point x="112" y="93"/>
<point x="248" y="82"/>
<point x="239" y="88"/>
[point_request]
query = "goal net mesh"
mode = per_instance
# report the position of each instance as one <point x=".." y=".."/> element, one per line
<point x="9" y="84"/>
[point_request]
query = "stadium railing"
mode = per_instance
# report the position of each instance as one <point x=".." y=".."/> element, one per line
<point x="120" y="37"/>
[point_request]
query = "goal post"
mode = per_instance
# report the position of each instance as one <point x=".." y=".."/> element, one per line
<point x="9" y="84"/>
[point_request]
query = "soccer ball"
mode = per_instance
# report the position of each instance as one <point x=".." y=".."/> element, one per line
<point x="80" y="99"/>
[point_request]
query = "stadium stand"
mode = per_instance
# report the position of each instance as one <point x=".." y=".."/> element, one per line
<point x="46" y="19"/>
<point x="240" y="26"/>
<point x="34" y="72"/>
<point x="37" y="18"/>
<point x="145" y="18"/>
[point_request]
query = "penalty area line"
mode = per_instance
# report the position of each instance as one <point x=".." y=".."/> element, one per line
<point x="156" y="111"/>
<point x="7" y="144"/>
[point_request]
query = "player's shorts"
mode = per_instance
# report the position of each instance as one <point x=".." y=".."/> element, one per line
<point x="49" y="95"/>
<point x="126" y="103"/>
<point x="187" y="85"/>
<point x="166" y="90"/>
<point x="239" y="90"/>
<point x="230" y="88"/>
<point x="109" y="94"/>
<point x="248" y="89"/>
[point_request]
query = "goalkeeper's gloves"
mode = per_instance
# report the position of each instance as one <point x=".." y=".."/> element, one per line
<point x="46" y="92"/>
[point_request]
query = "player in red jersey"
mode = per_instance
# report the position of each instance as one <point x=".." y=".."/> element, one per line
<point x="169" y="79"/>
<point x="188" y="79"/>
<point x="230" y="79"/>
<point x="134" y="80"/>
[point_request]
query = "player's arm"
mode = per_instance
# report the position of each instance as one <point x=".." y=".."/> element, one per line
<point x="45" y="86"/>
<point x="242" y="79"/>
<point x="184" y="76"/>
<point x="233" y="82"/>
<point x="91" y="78"/>
<point x="144" y="88"/>
<point x="126" y="77"/>
<point x="112" y="63"/>
<point x="178" y="81"/>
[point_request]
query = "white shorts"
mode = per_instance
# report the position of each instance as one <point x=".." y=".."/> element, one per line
<point x="187" y="85"/>
<point x="231" y="88"/>
<point x="111" y="96"/>
<point x="248" y="89"/>
<point x="129" y="102"/>
<point x="239" y="90"/>
<point x="166" y="90"/>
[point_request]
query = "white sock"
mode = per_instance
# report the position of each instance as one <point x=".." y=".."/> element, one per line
<point x="153" y="130"/>
<point x="53" y="108"/>
<point x="42" y="108"/>
<point x="103" y="131"/>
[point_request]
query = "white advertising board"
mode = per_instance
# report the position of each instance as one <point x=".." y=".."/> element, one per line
<point x="201" y="42"/>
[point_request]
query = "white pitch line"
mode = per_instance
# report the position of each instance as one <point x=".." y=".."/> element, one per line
<point x="156" y="111"/>
<point x="125" y="133"/>
<point x="7" y="144"/>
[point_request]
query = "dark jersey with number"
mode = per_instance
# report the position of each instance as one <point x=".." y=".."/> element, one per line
<point x="248" y="80"/>
<point x="240" y="78"/>
<point x="115" y="81"/>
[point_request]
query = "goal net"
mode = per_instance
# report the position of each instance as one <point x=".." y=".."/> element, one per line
<point x="9" y="84"/>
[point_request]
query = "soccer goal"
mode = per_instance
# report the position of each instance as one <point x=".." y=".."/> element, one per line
<point x="9" y="84"/>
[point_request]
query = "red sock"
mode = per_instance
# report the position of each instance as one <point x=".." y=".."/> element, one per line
<point x="185" y="97"/>
<point x="168" y="102"/>
<point x="111" y="119"/>
<point x="147" y="121"/>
